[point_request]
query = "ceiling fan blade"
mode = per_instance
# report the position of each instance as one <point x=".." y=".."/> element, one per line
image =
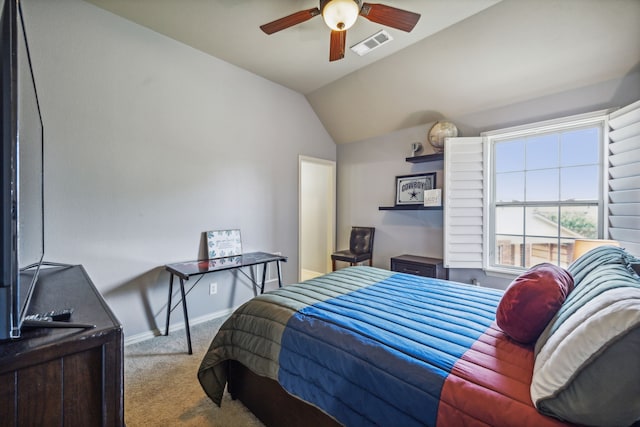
<point x="390" y="16"/>
<point x="337" y="45"/>
<point x="290" y="21"/>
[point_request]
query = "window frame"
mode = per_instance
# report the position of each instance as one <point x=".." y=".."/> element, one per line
<point x="593" y="119"/>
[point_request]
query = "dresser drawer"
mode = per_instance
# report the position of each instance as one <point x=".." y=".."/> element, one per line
<point x="419" y="266"/>
<point x="411" y="268"/>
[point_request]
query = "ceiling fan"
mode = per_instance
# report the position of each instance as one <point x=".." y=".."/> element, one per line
<point x="340" y="15"/>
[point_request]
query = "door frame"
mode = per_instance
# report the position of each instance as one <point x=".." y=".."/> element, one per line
<point x="330" y="221"/>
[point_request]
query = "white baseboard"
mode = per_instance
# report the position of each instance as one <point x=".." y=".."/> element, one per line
<point x="143" y="336"/>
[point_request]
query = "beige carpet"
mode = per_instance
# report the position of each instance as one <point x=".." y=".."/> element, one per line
<point x="162" y="388"/>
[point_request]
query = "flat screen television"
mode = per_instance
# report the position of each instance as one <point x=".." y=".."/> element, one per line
<point x="22" y="173"/>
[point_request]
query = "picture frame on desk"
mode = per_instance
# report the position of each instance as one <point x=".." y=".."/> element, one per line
<point x="224" y="243"/>
<point x="410" y="188"/>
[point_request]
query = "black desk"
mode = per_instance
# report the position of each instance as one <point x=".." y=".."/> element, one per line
<point x="184" y="270"/>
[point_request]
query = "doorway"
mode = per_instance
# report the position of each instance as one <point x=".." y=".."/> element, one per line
<point x="317" y="216"/>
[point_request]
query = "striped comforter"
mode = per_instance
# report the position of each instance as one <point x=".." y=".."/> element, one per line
<point x="373" y="347"/>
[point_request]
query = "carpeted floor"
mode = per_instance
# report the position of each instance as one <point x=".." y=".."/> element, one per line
<point x="162" y="388"/>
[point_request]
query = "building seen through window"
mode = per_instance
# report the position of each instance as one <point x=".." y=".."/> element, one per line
<point x="546" y="193"/>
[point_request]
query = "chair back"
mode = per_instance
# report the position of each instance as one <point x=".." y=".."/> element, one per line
<point x="361" y="241"/>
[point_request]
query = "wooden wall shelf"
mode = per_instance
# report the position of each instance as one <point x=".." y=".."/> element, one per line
<point x="417" y="159"/>
<point x="425" y="158"/>
<point x="410" y="208"/>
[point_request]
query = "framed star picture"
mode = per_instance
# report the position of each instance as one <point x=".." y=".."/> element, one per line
<point x="410" y="188"/>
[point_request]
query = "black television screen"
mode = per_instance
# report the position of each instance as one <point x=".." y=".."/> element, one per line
<point x="22" y="209"/>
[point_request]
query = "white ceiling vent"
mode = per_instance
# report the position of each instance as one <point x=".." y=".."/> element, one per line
<point x="372" y="42"/>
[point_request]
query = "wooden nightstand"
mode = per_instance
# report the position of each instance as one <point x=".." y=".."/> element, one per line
<point x="420" y="266"/>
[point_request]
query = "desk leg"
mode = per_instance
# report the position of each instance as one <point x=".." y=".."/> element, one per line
<point x="279" y="274"/>
<point x="264" y="276"/>
<point x="186" y="315"/>
<point x="166" y="331"/>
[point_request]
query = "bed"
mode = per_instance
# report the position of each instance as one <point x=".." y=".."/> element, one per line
<point x="367" y="346"/>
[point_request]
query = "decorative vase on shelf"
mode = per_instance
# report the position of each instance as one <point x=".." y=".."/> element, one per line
<point x="438" y="132"/>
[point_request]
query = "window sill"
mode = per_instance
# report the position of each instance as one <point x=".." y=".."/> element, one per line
<point x="504" y="273"/>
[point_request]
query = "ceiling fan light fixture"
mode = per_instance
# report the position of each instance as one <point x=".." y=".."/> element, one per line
<point x="340" y="15"/>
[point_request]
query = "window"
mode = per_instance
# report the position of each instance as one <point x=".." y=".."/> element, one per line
<point x="520" y="196"/>
<point x="545" y="192"/>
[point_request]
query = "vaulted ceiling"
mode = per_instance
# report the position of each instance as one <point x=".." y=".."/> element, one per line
<point x="463" y="56"/>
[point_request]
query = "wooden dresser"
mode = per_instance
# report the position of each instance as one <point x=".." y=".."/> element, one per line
<point x="70" y="377"/>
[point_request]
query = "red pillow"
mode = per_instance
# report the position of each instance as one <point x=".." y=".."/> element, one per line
<point x="531" y="300"/>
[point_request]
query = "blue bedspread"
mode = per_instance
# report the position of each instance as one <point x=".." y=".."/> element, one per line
<point x="372" y="347"/>
<point x="369" y="362"/>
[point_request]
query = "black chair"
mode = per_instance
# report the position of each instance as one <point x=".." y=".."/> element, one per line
<point x="360" y="247"/>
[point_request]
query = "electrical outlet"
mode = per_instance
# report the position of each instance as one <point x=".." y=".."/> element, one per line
<point x="213" y="288"/>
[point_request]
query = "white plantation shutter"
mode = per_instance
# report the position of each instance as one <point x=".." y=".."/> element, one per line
<point x="463" y="202"/>
<point x="624" y="177"/>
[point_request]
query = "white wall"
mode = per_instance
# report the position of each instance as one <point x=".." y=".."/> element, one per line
<point x="367" y="170"/>
<point x="149" y="143"/>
